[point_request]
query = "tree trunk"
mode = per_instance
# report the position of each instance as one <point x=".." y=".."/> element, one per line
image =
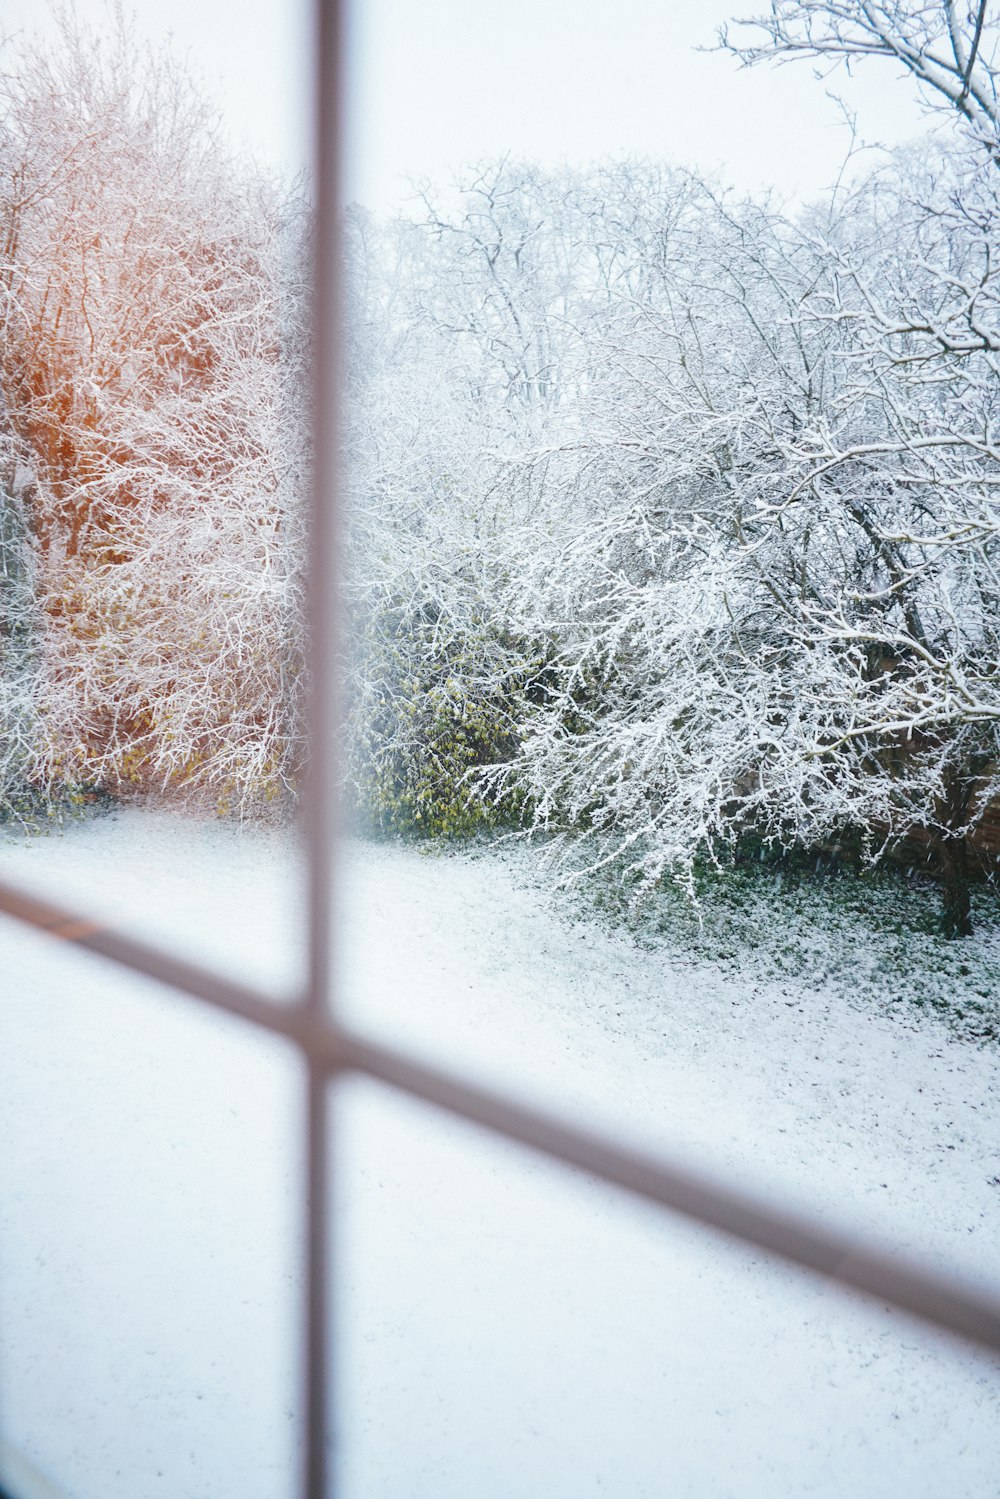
<point x="956" y="906"/>
<point x="953" y="852"/>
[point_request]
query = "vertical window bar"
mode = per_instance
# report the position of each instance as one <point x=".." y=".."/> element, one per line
<point x="318" y="804"/>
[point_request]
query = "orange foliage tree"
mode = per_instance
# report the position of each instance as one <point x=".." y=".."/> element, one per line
<point x="153" y="337"/>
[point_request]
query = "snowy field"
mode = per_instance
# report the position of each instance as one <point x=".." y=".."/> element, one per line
<point x="508" y="1330"/>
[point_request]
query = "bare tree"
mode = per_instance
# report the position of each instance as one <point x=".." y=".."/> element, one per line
<point x="948" y="48"/>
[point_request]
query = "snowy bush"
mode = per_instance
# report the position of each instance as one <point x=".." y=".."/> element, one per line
<point x="425" y="712"/>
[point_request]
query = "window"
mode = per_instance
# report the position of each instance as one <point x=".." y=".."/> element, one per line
<point x="330" y="1050"/>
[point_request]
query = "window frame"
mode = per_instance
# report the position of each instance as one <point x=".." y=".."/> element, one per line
<point x="329" y="1049"/>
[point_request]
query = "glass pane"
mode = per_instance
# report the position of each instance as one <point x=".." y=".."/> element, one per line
<point x="510" y="1328"/>
<point x="154" y="464"/>
<point x="561" y="334"/>
<point x="468" y="959"/>
<point x="150" y="1173"/>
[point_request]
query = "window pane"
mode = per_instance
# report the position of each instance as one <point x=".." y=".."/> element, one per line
<point x="154" y="454"/>
<point x="569" y="590"/>
<point x="469" y="959"/>
<point x="508" y="1328"/>
<point x="150" y="1172"/>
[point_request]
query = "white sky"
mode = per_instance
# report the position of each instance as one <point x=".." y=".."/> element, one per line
<point x="435" y="84"/>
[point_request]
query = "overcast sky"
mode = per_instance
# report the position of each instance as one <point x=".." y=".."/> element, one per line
<point x="435" y="84"/>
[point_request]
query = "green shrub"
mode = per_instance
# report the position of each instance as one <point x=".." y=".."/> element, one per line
<point x="428" y="708"/>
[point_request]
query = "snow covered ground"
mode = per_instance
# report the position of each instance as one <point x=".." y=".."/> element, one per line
<point x="508" y="1329"/>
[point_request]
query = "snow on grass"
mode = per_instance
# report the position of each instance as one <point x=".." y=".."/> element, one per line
<point x="873" y="935"/>
<point x="507" y="1328"/>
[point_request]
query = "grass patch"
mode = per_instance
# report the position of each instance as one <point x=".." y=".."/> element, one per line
<point x="872" y="935"/>
<point x="30" y="811"/>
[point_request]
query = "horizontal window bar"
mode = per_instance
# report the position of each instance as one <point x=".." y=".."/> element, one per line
<point x="973" y="1313"/>
<point x="946" y="1301"/>
<point x="144" y="957"/>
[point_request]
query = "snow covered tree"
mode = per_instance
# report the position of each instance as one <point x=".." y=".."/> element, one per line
<point x="778" y="613"/>
<point x="675" y="667"/>
<point x="947" y="48"/>
<point x="153" y="343"/>
<point x="918" y="295"/>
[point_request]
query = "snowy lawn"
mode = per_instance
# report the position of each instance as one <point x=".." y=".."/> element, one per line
<point x="508" y="1329"/>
